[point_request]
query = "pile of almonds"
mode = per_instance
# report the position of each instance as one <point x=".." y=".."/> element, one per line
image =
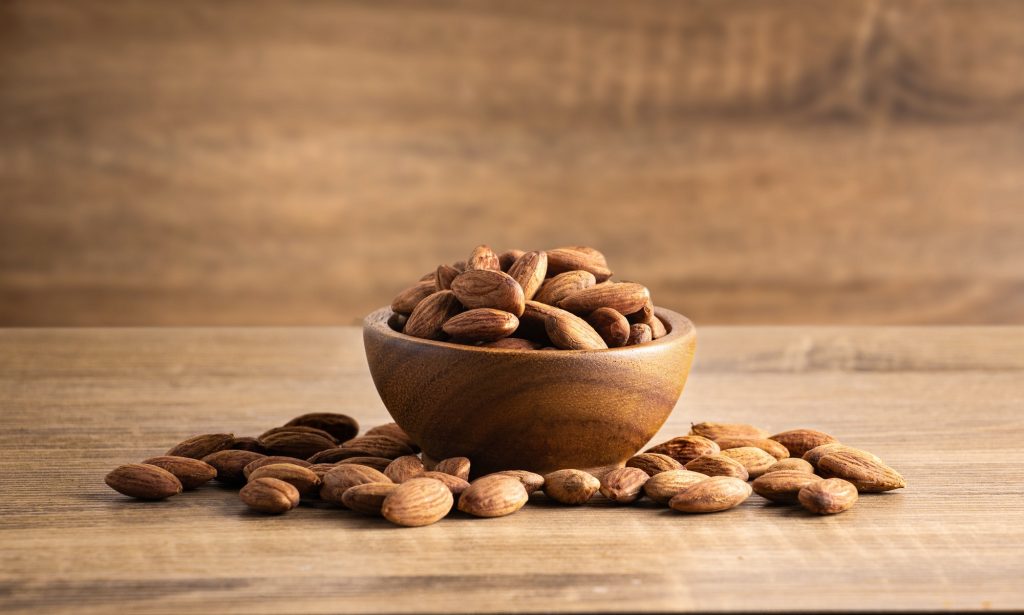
<point x="554" y="299"/>
<point x="319" y="457"/>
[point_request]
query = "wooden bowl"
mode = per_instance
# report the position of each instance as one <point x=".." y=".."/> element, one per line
<point x="538" y="410"/>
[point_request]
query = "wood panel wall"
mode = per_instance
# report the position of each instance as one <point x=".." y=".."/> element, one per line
<point x="258" y="162"/>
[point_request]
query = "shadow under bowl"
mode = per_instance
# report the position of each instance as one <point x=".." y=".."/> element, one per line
<point x="537" y="410"/>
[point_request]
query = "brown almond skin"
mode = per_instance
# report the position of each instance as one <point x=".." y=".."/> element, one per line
<point x="456" y="466"/>
<point x="377" y="463"/>
<point x="444" y="275"/>
<point x="142" y="481"/>
<point x="717" y="431"/>
<point x="513" y="343"/>
<point x="191" y="473"/>
<point x="562" y="285"/>
<point x="623" y="485"/>
<point x="783" y="486"/>
<point x="269" y="495"/>
<point x="397" y="321"/>
<point x="247" y="443"/>
<point x="481" y="325"/>
<point x="270" y="459"/>
<point x="484" y="288"/>
<point x="321" y="468"/>
<point x="418" y="502"/>
<point x="792" y="463"/>
<point x="529" y="270"/>
<point x="202" y="445"/>
<point x="508" y="258"/>
<point x="378" y="446"/>
<point x="653" y="463"/>
<point x="404" y="468"/>
<point x="663" y="486"/>
<point x="610" y="325"/>
<point x="639" y="334"/>
<point x="344" y="476"/>
<point x="718" y="465"/>
<point x="303" y="479"/>
<point x="531" y="481"/>
<point x="494" y="495"/>
<point x="685" y="449"/>
<point x="799" y="441"/>
<point x="867" y="475"/>
<point x="573" y="487"/>
<point x="297" y="441"/>
<point x="533" y="321"/>
<point x="429" y="317"/>
<point x="755" y="460"/>
<point x="577" y="258"/>
<point x="230" y="464"/>
<point x="623" y="297"/>
<point x="715" y="494"/>
<point x="570" y="332"/>
<point x="368" y="497"/>
<point x="408" y="299"/>
<point x="341" y="427"/>
<point x="828" y="497"/>
<point x="393" y="431"/>
<point x="771" y="447"/>
<point x="815" y="454"/>
<point x="455" y="484"/>
<point x="483" y="257"/>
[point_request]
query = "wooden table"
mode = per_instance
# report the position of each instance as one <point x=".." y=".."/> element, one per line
<point x="943" y="405"/>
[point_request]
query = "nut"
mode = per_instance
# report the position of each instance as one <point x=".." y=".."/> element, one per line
<point x="755" y="460"/>
<point x="664" y="486"/>
<point x="715" y="494"/>
<point x="653" y="463"/>
<point x="143" y="481"/>
<point x="404" y="468"/>
<point x="494" y="495"/>
<point x="303" y="479"/>
<point x="483" y="288"/>
<point x="456" y="466"/>
<point x="791" y="463"/>
<point x="202" y="445"/>
<point x="368" y="497"/>
<point x="427" y="320"/>
<point x="799" y="441"/>
<point x="230" y="464"/>
<point x="571" y="486"/>
<point x="685" y="449"/>
<point x="269" y="495"/>
<point x="784" y="485"/>
<point x="191" y="473"/>
<point x="529" y="270"/>
<point x="718" y="465"/>
<point x="718" y="431"/>
<point x="341" y="427"/>
<point x="866" y="474"/>
<point x="771" y="447"/>
<point x="530" y="480"/>
<point x="623" y="485"/>
<point x="828" y="497"/>
<point x="344" y="476"/>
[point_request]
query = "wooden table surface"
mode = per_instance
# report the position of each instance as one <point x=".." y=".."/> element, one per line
<point x="943" y="405"/>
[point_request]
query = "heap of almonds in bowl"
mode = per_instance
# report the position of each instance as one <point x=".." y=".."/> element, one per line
<point x="318" y="458"/>
<point x="543" y="299"/>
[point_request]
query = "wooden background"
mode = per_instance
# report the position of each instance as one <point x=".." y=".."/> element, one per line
<point x="248" y="162"/>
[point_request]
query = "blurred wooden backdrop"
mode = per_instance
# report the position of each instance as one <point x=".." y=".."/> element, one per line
<point x="257" y="162"/>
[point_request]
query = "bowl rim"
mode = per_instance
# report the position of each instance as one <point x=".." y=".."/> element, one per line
<point x="679" y="328"/>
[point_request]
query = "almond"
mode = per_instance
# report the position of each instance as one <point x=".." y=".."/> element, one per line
<point x="321" y="468"/>
<point x="610" y="325"/>
<point x="570" y="332"/>
<point x="483" y="288"/>
<point x="303" y="479"/>
<point x="571" y="486"/>
<point x="623" y="485"/>
<point x="460" y="265"/>
<point x="783" y="486"/>
<point x="377" y="463"/>
<point x="230" y="465"/>
<point x="507" y="258"/>
<point x="417" y="502"/>
<point x="645" y="315"/>
<point x="593" y="253"/>
<point x="715" y="494"/>
<point x="562" y="285"/>
<point x="530" y="270"/>
<point x="755" y="460"/>
<point x="344" y="476"/>
<point x="404" y="468"/>
<point x="494" y="495"/>
<point x="202" y="445"/>
<point x="297" y="441"/>
<point x="368" y="497"/>
<point x="532" y="322"/>
<point x="639" y="334"/>
<point x="428" y="319"/>
<point x="397" y="321"/>
<point x="531" y="481"/>
<point x="717" y="431"/>
<point x="247" y="443"/>
<point x="270" y="495"/>
<point x="866" y="474"/>
<point x="378" y="446"/>
<point x="663" y="486"/>
<point x="791" y="463"/>
<point x="408" y="299"/>
<point x="339" y="454"/>
<point x="456" y="466"/>
<point x="271" y="459"/>
<point x="483" y="258"/>
<point x="570" y="259"/>
<point x="685" y="449"/>
<point x="191" y="473"/>
<point x="828" y="497"/>
<point x="718" y="465"/>
<point x="513" y="343"/>
<point x="623" y="297"/>
<point x="444" y="275"/>
<point x="392" y="430"/>
<point x="142" y="481"/>
<point x="815" y="454"/>
<point x="799" y="441"/>
<point x="481" y="325"/>
<point x="653" y="463"/>
<point x="341" y="427"/>
<point x="454" y="483"/>
<point x="771" y="447"/>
